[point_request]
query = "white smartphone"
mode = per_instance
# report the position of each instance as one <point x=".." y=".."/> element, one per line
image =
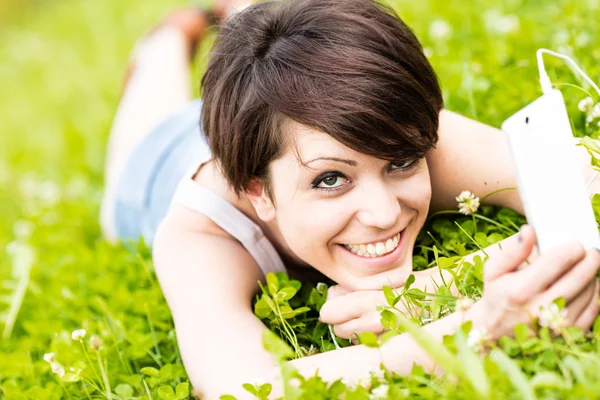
<point x="549" y="178"/>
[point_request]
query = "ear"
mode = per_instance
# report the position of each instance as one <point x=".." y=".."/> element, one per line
<point x="263" y="205"/>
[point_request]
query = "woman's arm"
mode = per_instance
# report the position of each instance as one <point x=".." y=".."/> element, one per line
<point x="209" y="282"/>
<point x="397" y="354"/>
<point x="476" y="157"/>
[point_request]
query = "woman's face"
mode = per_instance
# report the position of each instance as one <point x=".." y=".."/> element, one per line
<point x="353" y="217"/>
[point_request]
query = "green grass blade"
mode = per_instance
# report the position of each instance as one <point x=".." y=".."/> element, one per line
<point x="436" y="350"/>
<point x="514" y="373"/>
<point x="475" y="372"/>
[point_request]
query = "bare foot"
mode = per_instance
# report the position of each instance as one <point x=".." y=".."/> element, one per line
<point x="193" y="23"/>
<point x="226" y="8"/>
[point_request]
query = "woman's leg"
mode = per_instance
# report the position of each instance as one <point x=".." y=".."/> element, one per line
<point x="158" y="85"/>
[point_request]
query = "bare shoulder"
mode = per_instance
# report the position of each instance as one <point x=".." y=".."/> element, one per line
<point x="188" y="244"/>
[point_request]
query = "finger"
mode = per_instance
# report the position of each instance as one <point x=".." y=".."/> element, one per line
<point x="350" y="306"/>
<point x="514" y="253"/>
<point x="575" y="307"/>
<point x="578" y="277"/>
<point x="336" y="291"/>
<point x="589" y="315"/>
<point x="547" y="270"/>
<point x="579" y="303"/>
<point x="367" y="323"/>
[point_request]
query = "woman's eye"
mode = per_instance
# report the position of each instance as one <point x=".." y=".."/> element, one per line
<point x="330" y="181"/>
<point x="406" y="165"/>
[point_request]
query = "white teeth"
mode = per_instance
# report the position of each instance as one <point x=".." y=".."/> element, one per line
<point x="389" y="245"/>
<point x="374" y="249"/>
<point x="371" y="250"/>
<point x="380" y="249"/>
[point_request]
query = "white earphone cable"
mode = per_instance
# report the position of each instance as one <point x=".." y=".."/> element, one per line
<point x="545" y="79"/>
<point x="546" y="83"/>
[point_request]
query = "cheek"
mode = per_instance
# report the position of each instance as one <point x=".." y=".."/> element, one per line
<point x="308" y="227"/>
<point x="419" y="195"/>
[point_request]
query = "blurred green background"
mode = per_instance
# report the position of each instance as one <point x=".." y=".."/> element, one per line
<point x="61" y="69"/>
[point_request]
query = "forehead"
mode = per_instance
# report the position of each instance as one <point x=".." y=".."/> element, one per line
<point x="307" y="143"/>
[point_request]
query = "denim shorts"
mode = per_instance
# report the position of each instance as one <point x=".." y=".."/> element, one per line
<point x="153" y="171"/>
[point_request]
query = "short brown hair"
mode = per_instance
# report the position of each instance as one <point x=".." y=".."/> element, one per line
<point x="349" y="68"/>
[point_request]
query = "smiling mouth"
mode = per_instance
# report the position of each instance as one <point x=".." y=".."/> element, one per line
<point x="375" y="250"/>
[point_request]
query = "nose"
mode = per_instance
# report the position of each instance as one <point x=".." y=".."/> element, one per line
<point x="379" y="206"/>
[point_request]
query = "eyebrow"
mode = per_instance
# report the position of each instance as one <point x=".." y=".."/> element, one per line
<point x="342" y="160"/>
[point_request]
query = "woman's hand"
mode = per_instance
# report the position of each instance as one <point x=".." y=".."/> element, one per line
<point x="514" y="292"/>
<point x="353" y="312"/>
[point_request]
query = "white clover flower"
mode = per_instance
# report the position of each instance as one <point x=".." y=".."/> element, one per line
<point x="440" y="30"/>
<point x="78" y="334"/>
<point x="476" y="339"/>
<point x="380" y="392"/>
<point x="464" y="304"/>
<point x="321" y="287"/>
<point x="28" y="186"/>
<point x="58" y="369"/>
<point x="95" y="342"/>
<point x="12" y="248"/>
<point x="468" y="203"/>
<point x="583" y="39"/>
<point x="497" y="22"/>
<point x="22" y="254"/>
<point x="50" y="357"/>
<point x="586" y="105"/>
<point x="565" y="49"/>
<point x="561" y="36"/>
<point x="49" y="193"/>
<point x="553" y="317"/>
<point x="23" y="229"/>
<point x="508" y="24"/>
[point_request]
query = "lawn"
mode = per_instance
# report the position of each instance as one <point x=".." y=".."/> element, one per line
<point x="61" y="66"/>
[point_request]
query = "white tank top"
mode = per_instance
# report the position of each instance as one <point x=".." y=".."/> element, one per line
<point x="196" y="197"/>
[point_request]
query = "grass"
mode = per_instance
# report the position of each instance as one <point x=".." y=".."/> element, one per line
<point x="61" y="64"/>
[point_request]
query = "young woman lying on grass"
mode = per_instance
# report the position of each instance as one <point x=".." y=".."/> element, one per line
<point x="320" y="145"/>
